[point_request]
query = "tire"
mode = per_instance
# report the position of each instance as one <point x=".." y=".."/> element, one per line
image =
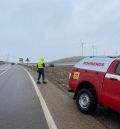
<point x="86" y="101"/>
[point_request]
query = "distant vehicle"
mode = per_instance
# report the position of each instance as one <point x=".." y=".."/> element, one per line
<point x="12" y="63"/>
<point x="96" y="80"/>
<point x="51" y="65"/>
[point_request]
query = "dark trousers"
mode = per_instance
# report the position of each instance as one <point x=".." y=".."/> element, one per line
<point x="41" y="73"/>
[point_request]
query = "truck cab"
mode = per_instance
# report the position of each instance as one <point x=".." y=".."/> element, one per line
<point x="96" y="80"/>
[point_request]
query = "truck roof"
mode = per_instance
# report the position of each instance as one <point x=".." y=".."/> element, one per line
<point x="96" y="63"/>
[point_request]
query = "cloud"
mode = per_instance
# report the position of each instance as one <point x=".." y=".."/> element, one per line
<point x="55" y="28"/>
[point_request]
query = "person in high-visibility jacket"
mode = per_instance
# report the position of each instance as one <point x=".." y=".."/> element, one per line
<point x="40" y="69"/>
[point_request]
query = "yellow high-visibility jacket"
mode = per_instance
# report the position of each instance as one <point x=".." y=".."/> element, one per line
<point x="41" y="64"/>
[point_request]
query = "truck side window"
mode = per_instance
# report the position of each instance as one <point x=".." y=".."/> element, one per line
<point x="118" y="69"/>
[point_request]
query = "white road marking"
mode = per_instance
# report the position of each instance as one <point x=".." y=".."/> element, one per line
<point x="46" y="111"/>
<point x="5" y="70"/>
<point x="3" y="67"/>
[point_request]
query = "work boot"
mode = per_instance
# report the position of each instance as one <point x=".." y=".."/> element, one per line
<point x="44" y="82"/>
<point x="38" y="82"/>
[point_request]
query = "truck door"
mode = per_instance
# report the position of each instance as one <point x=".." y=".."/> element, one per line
<point x="111" y="88"/>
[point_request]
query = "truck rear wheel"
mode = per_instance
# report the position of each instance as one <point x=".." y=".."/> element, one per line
<point x="86" y="101"/>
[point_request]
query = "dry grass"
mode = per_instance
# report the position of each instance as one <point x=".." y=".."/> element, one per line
<point x="58" y="74"/>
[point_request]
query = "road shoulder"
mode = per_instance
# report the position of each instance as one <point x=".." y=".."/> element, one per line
<point x="63" y="108"/>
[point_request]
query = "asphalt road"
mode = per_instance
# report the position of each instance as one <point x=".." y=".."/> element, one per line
<point x="20" y="107"/>
<point x="4" y="67"/>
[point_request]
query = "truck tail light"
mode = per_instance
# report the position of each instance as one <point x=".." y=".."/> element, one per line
<point x="70" y="75"/>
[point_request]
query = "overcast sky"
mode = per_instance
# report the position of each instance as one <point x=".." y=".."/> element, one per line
<point x="55" y="28"/>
